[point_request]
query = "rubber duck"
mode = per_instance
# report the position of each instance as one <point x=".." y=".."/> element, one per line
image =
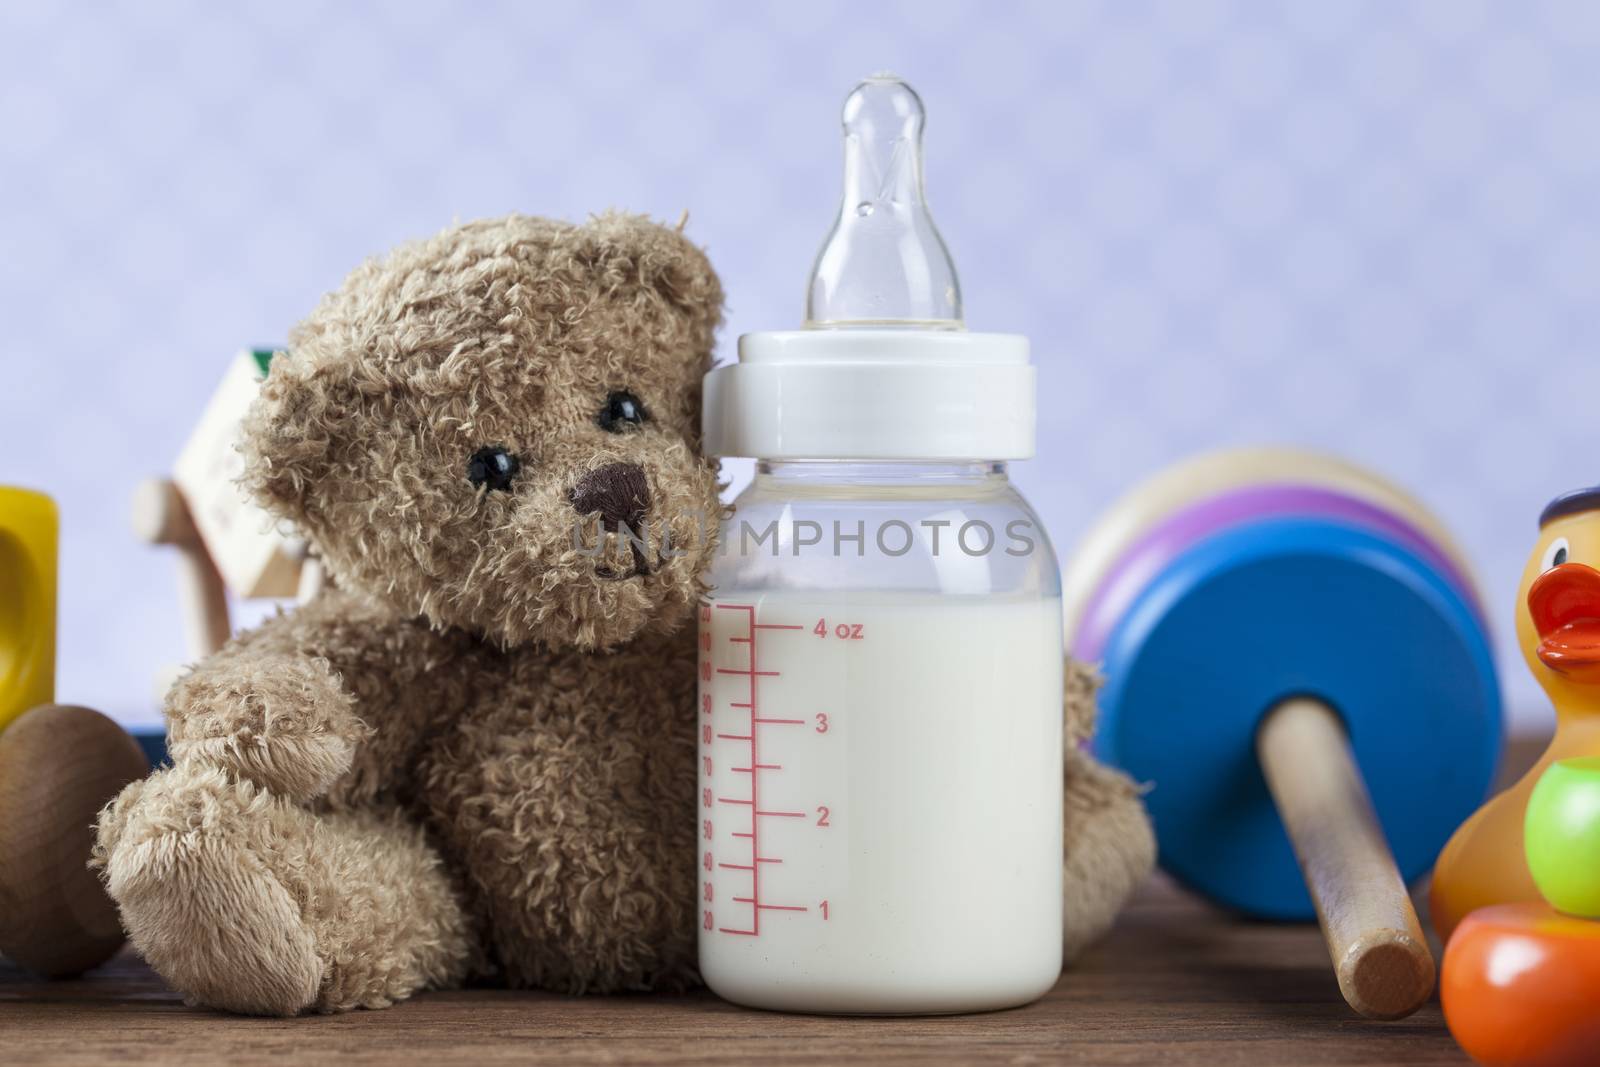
<point x="1558" y="631"/>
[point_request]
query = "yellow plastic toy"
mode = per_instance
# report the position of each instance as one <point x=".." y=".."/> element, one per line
<point x="28" y="526"/>
<point x="1558" y="629"/>
<point x="58" y="765"/>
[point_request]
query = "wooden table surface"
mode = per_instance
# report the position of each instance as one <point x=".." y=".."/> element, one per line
<point x="1176" y="983"/>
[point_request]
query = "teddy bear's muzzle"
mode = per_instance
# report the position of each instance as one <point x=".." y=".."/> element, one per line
<point x="620" y="493"/>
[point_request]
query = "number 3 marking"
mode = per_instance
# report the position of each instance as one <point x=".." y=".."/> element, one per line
<point x="822" y="723"/>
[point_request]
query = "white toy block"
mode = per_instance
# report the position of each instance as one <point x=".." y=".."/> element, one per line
<point x="257" y="556"/>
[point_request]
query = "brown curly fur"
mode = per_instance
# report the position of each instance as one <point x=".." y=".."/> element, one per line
<point x="474" y="754"/>
<point x="1110" y="843"/>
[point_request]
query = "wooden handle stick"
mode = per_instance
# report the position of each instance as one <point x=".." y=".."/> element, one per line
<point x="1385" y="969"/>
<point x="161" y="517"/>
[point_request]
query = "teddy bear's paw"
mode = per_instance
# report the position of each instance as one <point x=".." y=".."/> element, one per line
<point x="180" y="854"/>
<point x="281" y="721"/>
<point x="1111" y="849"/>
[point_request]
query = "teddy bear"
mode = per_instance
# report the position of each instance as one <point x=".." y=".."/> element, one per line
<point x="472" y="755"/>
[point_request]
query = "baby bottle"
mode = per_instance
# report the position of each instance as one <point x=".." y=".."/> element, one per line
<point x="881" y="653"/>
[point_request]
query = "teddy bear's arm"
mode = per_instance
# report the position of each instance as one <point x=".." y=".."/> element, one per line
<point x="291" y="704"/>
<point x="1110" y="845"/>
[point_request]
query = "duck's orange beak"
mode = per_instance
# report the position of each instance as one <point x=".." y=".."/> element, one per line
<point x="1565" y="604"/>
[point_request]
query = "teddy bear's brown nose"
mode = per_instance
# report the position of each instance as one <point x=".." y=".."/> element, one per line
<point x="618" y="491"/>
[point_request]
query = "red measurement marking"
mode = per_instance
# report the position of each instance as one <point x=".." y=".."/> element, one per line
<point x="755" y="847"/>
<point x="768" y="907"/>
<point x="754" y="766"/>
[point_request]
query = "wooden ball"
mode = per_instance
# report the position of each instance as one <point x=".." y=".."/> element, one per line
<point x="59" y="764"/>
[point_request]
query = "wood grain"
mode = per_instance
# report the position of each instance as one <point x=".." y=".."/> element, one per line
<point x="1178" y="982"/>
<point x="1376" y="944"/>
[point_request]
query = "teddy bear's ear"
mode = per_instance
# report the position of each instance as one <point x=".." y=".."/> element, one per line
<point x="635" y="250"/>
<point x="290" y="429"/>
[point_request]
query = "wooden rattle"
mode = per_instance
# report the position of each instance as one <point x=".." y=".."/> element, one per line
<point x="254" y="556"/>
<point x="1296" y="661"/>
<point x="224" y="541"/>
<point x="161" y="517"/>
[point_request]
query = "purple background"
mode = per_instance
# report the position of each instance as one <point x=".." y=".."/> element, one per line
<point x="1366" y="227"/>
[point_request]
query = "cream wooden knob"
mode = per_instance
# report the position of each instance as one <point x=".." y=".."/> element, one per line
<point x="161" y="517"/>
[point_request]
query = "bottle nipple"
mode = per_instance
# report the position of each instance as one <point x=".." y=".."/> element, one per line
<point x="883" y="263"/>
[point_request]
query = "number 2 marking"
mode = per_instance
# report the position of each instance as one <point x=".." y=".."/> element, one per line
<point x="822" y="814"/>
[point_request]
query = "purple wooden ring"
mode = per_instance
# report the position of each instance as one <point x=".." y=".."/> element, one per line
<point x="1159" y="545"/>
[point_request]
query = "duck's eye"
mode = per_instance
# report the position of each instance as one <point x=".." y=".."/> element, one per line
<point x="492" y="467"/>
<point x="1555" y="554"/>
<point x="622" y="411"/>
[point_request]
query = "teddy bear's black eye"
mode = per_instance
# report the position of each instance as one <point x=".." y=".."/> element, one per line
<point x="492" y="466"/>
<point x="621" y="412"/>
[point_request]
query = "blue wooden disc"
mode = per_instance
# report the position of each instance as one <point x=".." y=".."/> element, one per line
<point x="1285" y="607"/>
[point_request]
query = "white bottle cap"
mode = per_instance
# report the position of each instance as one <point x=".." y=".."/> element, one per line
<point x="884" y="368"/>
